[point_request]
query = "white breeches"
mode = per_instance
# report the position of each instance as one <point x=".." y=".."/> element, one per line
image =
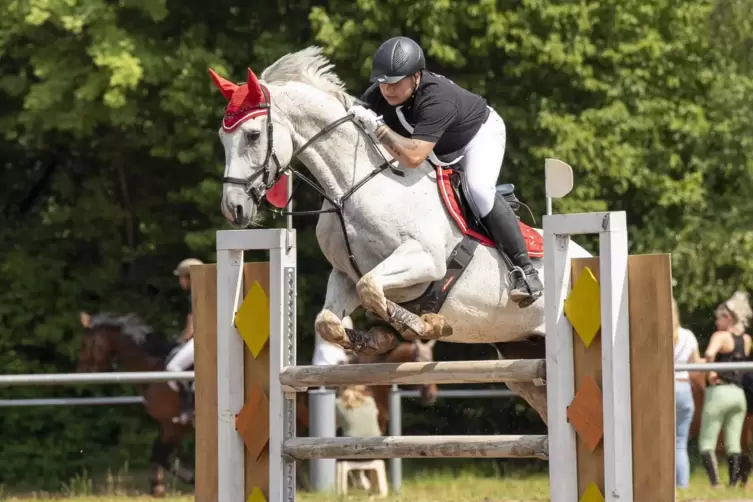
<point x="482" y="161"/>
<point x="181" y="361"/>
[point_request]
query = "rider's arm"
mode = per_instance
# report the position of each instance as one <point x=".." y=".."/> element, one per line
<point x="188" y="330"/>
<point x="410" y="152"/>
<point x="432" y="120"/>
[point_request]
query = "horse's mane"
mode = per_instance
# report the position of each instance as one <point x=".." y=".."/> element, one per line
<point x="130" y="325"/>
<point x="133" y="327"/>
<point x="309" y="66"/>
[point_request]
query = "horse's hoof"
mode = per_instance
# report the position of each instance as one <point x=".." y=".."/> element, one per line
<point x="158" y="491"/>
<point x="437" y="325"/>
<point x="330" y="328"/>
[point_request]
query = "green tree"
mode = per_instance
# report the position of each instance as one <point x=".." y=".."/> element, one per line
<point x="645" y="102"/>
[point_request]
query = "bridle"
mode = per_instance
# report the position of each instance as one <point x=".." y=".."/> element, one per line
<point x="270" y="178"/>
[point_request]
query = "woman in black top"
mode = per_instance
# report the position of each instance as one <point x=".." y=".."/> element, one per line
<point x="417" y="114"/>
<point x="724" y="405"/>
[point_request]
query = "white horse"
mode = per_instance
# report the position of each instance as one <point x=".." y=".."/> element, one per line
<point x="399" y="232"/>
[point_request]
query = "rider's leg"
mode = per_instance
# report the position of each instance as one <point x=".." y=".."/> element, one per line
<point x="182" y="360"/>
<point x="481" y="165"/>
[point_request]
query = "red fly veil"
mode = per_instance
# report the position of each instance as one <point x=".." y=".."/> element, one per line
<point x="246" y="102"/>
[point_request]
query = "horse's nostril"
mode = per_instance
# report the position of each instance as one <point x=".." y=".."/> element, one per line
<point x="238" y="213"/>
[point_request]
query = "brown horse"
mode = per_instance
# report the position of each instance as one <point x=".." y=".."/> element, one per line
<point x="129" y="341"/>
<point x="416" y="351"/>
<point x="698" y="387"/>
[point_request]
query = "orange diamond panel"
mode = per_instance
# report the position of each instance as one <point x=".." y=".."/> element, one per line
<point x="252" y="423"/>
<point x="585" y="413"/>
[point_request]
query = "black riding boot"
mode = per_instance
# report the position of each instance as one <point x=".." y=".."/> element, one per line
<point x="712" y="469"/>
<point x="733" y="465"/>
<point x="746" y="466"/>
<point x="502" y="225"/>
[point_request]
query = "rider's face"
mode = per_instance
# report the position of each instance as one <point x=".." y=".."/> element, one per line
<point x="399" y="92"/>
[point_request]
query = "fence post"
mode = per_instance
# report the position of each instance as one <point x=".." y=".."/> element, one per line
<point x="322" y="420"/>
<point x="396" y="429"/>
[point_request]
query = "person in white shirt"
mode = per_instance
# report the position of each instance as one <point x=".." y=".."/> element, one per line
<point x="685" y="351"/>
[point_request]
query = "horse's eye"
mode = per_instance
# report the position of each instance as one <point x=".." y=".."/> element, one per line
<point x="253" y="136"/>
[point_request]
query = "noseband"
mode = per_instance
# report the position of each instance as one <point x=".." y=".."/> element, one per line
<point x="257" y="193"/>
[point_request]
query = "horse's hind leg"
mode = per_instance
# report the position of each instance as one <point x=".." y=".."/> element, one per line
<point x="342" y="300"/>
<point x="407" y="266"/>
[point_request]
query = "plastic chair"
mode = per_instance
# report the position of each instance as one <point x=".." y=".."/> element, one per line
<point x="345" y="467"/>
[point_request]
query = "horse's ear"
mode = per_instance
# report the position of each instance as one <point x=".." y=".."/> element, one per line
<point x="225" y="86"/>
<point x="86" y="319"/>
<point x="255" y="95"/>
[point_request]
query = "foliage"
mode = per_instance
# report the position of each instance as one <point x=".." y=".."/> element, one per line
<point x="110" y="166"/>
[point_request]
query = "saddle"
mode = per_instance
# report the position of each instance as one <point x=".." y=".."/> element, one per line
<point x="456" y="201"/>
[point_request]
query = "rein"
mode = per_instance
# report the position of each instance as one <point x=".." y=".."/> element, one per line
<point x="257" y="193"/>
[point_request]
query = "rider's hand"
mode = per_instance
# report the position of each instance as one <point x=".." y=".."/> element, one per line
<point x="368" y="119"/>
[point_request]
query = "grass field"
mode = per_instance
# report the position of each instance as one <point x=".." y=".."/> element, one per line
<point x="434" y="487"/>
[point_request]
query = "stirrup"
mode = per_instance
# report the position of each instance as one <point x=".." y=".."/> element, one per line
<point x="532" y="297"/>
<point x="517" y="270"/>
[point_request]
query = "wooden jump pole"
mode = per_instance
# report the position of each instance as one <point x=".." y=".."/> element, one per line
<point x="594" y="448"/>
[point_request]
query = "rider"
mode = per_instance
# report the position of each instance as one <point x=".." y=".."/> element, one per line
<point x="417" y="114"/>
<point x="183" y="358"/>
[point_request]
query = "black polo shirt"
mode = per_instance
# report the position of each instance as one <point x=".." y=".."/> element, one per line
<point x="440" y="111"/>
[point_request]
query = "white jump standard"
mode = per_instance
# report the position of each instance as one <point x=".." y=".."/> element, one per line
<point x="559" y="368"/>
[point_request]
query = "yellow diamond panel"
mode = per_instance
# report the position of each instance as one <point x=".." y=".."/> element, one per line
<point x="582" y="306"/>
<point x="252" y="319"/>
<point x="592" y="494"/>
<point x="258" y="496"/>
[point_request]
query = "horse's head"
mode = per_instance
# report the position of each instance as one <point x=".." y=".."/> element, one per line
<point x="258" y="147"/>
<point x="125" y="339"/>
<point x="98" y="347"/>
<point x="424" y="352"/>
<point x="294" y="109"/>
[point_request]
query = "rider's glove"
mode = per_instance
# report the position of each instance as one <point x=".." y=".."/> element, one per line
<point x="368" y="119"/>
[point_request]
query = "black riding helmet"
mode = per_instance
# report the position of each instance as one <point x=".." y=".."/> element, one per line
<point x="395" y="59"/>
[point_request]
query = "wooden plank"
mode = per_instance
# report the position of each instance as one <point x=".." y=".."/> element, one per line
<point x="652" y="377"/>
<point x="204" y="300"/>
<point x="588" y="365"/>
<point x="652" y="380"/>
<point x="256" y="372"/>
<point x="516" y="446"/>
<point x="445" y="372"/>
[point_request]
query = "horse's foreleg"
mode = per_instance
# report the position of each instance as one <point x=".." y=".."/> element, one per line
<point x="409" y="265"/>
<point x="164" y="447"/>
<point x="158" y="471"/>
<point x="334" y="325"/>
